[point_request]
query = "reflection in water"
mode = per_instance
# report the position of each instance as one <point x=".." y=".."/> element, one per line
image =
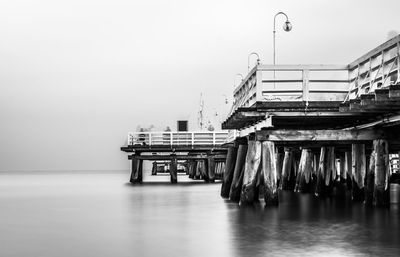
<point x="99" y="214"/>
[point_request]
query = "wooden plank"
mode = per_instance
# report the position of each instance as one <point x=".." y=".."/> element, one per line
<point x="318" y="135"/>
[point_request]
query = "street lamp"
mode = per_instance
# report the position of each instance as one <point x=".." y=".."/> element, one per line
<point x="248" y="60"/>
<point x="287" y="26"/>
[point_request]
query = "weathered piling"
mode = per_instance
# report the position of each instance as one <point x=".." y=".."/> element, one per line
<point x="279" y="165"/>
<point x="237" y="180"/>
<point x="192" y="169"/>
<point x="369" y="181"/>
<point x="341" y="182"/>
<point x="137" y="171"/>
<point x="229" y="170"/>
<point x="154" y="169"/>
<point x="251" y="174"/>
<point x="211" y="169"/>
<point x="288" y="170"/>
<point x="358" y="170"/>
<point x="326" y="172"/>
<point x="304" y="182"/>
<point x="381" y="187"/>
<point x="197" y="174"/>
<point x="174" y="171"/>
<point x="348" y="169"/>
<point x="269" y="173"/>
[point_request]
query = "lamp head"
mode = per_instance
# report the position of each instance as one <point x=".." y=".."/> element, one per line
<point x="287" y="26"/>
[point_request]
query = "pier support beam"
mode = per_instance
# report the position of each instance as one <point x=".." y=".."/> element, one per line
<point x="211" y="169"/>
<point x="192" y="169"/>
<point x="237" y="180"/>
<point x="304" y="182"/>
<point x="269" y="173"/>
<point x="348" y="169"/>
<point x="326" y="172"/>
<point x="174" y="171"/>
<point x="369" y="181"/>
<point x="381" y="180"/>
<point x="137" y="170"/>
<point x="279" y="165"/>
<point x="251" y="175"/>
<point x="154" y="169"/>
<point x="358" y="170"/>
<point x="288" y="171"/>
<point x="229" y="170"/>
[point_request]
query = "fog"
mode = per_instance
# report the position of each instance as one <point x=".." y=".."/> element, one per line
<point x="76" y="76"/>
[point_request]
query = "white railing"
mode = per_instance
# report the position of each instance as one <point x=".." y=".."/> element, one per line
<point x="379" y="68"/>
<point x="292" y="83"/>
<point x="178" y="138"/>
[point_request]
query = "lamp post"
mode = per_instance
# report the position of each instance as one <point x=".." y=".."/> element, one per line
<point x="248" y="60"/>
<point x="287" y="26"/>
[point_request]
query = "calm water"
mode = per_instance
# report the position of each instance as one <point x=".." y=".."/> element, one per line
<point x="100" y="214"/>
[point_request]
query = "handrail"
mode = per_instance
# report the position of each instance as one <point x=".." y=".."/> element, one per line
<point x="169" y="138"/>
<point x="255" y="85"/>
<point x="378" y="68"/>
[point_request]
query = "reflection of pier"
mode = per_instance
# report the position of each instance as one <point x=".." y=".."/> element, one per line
<point x="198" y="154"/>
<point x="317" y="128"/>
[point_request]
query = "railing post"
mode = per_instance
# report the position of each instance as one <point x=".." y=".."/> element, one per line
<point x="149" y="138"/>
<point x="259" y="87"/>
<point x="213" y="138"/>
<point x="170" y="138"/>
<point x="192" y="135"/>
<point x="306" y="74"/>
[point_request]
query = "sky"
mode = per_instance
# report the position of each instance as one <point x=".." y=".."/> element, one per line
<point x="76" y="76"/>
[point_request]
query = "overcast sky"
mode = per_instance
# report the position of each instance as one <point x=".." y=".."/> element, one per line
<point x="77" y="75"/>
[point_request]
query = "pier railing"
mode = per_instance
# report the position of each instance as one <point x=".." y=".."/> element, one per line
<point x="178" y="138"/>
<point x="377" y="69"/>
<point x="292" y="83"/>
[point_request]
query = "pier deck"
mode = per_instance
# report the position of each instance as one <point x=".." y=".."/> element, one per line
<point x="312" y="128"/>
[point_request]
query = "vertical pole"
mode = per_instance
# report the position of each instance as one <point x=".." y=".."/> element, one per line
<point x="237" y="180"/>
<point x="326" y="171"/>
<point x="381" y="181"/>
<point x="348" y="169"/>
<point x="279" y="164"/>
<point x="229" y="170"/>
<point x="358" y="171"/>
<point x="259" y="85"/>
<point x="369" y="181"/>
<point x="288" y="171"/>
<point x="306" y="85"/>
<point x="174" y="170"/>
<point x="252" y="169"/>
<point x="137" y="171"/>
<point x="304" y="175"/>
<point x="211" y="168"/>
<point x="269" y="173"/>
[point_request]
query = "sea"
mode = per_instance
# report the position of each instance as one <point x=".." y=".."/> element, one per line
<point x="99" y="213"/>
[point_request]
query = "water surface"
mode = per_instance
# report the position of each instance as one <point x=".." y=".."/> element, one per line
<point x="100" y="214"/>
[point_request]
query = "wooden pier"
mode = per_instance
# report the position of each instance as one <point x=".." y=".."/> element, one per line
<point x="200" y="154"/>
<point x="321" y="129"/>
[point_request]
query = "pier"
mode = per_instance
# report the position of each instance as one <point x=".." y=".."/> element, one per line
<point x="320" y="129"/>
<point x="198" y="154"/>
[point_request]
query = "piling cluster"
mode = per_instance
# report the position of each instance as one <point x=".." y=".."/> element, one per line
<point x="257" y="169"/>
